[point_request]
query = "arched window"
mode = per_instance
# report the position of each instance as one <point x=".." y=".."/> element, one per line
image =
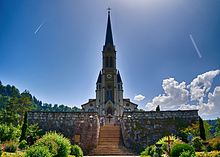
<point x="109" y="94"/>
<point x="106" y="62"/>
<point x="111" y="62"/>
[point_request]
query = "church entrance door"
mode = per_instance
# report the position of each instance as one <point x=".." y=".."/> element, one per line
<point x="109" y="111"/>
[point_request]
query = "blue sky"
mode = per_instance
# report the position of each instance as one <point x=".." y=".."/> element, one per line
<point x="61" y="61"/>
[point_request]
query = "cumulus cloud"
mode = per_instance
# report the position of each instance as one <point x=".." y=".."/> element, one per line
<point x="139" y="97"/>
<point x="188" y="97"/>
<point x="175" y="95"/>
<point x="201" y="85"/>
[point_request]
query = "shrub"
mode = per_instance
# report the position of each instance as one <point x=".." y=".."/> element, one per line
<point x="38" y="151"/>
<point x="214" y="144"/>
<point x="208" y="154"/>
<point x="76" y="151"/>
<point x="149" y="151"/>
<point x="11" y="146"/>
<point x="34" y="132"/>
<point x="16" y="154"/>
<point x="187" y="154"/>
<point x="23" y="144"/>
<point x="179" y="148"/>
<point x="0" y="150"/>
<point x="9" y="132"/>
<point x="164" y="143"/>
<point x="197" y="144"/>
<point x="58" y="145"/>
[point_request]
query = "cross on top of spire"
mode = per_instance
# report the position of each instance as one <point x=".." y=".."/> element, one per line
<point x="109" y="10"/>
<point x="109" y="38"/>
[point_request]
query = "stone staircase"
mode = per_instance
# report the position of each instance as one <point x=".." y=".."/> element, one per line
<point x="110" y="142"/>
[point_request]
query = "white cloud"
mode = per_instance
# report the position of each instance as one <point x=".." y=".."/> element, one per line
<point x="139" y="97"/>
<point x="201" y="85"/>
<point x="188" y="97"/>
<point x="175" y="95"/>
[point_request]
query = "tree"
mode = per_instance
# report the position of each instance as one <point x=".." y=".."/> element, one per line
<point x="217" y="129"/>
<point x="24" y="128"/>
<point x="158" y="108"/>
<point x="202" y="129"/>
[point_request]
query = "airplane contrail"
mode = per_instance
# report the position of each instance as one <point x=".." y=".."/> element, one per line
<point x="39" y="27"/>
<point x="195" y="46"/>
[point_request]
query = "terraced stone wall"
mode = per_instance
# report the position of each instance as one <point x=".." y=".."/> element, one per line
<point x="140" y="129"/>
<point x="83" y="124"/>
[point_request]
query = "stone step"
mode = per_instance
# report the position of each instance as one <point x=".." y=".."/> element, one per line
<point x="110" y="132"/>
<point x="107" y="146"/>
<point x="107" y="139"/>
<point x="109" y="136"/>
<point x="109" y="142"/>
<point x="112" y="153"/>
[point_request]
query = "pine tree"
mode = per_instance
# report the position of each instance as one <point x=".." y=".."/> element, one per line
<point x="158" y="108"/>
<point x="24" y="128"/>
<point x="202" y="129"/>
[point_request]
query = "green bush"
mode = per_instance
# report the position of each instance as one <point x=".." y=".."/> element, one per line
<point x="187" y="154"/>
<point x="11" y="146"/>
<point x="179" y="148"/>
<point x="0" y="150"/>
<point x="58" y="145"/>
<point x="197" y="144"/>
<point x="214" y="144"/>
<point x="208" y="154"/>
<point x="38" y="151"/>
<point x="76" y="151"/>
<point x="149" y="151"/>
<point x="163" y="141"/>
<point x="34" y="131"/>
<point x="9" y="132"/>
<point x="23" y="144"/>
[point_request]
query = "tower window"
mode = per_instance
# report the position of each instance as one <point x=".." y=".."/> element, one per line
<point x="111" y="62"/>
<point x="109" y="94"/>
<point x="106" y="62"/>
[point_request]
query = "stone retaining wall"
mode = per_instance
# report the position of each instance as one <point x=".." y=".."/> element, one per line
<point x="85" y="124"/>
<point x="140" y="129"/>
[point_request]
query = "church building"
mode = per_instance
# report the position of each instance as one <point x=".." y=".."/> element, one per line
<point x="109" y="99"/>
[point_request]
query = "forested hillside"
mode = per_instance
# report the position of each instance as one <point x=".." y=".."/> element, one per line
<point x="13" y="104"/>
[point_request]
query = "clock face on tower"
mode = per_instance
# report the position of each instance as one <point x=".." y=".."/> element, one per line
<point x="109" y="76"/>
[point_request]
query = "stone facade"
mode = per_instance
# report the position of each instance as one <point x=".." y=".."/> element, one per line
<point x="140" y="129"/>
<point x="85" y="124"/>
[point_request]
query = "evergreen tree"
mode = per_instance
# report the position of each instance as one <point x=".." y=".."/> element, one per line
<point x="24" y="128"/>
<point x="202" y="129"/>
<point x="158" y="108"/>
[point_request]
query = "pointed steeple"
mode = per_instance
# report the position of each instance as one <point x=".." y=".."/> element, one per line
<point x="119" y="78"/>
<point x="99" y="80"/>
<point x="109" y="38"/>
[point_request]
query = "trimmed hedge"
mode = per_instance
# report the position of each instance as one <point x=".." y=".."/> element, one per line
<point x="180" y="148"/>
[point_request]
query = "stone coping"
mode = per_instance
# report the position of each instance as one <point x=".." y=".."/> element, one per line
<point x="77" y="112"/>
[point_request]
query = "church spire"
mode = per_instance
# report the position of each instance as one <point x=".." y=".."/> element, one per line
<point x="109" y="38"/>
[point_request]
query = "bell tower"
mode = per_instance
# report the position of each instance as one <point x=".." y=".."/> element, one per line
<point x="108" y="87"/>
<point x="109" y="101"/>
